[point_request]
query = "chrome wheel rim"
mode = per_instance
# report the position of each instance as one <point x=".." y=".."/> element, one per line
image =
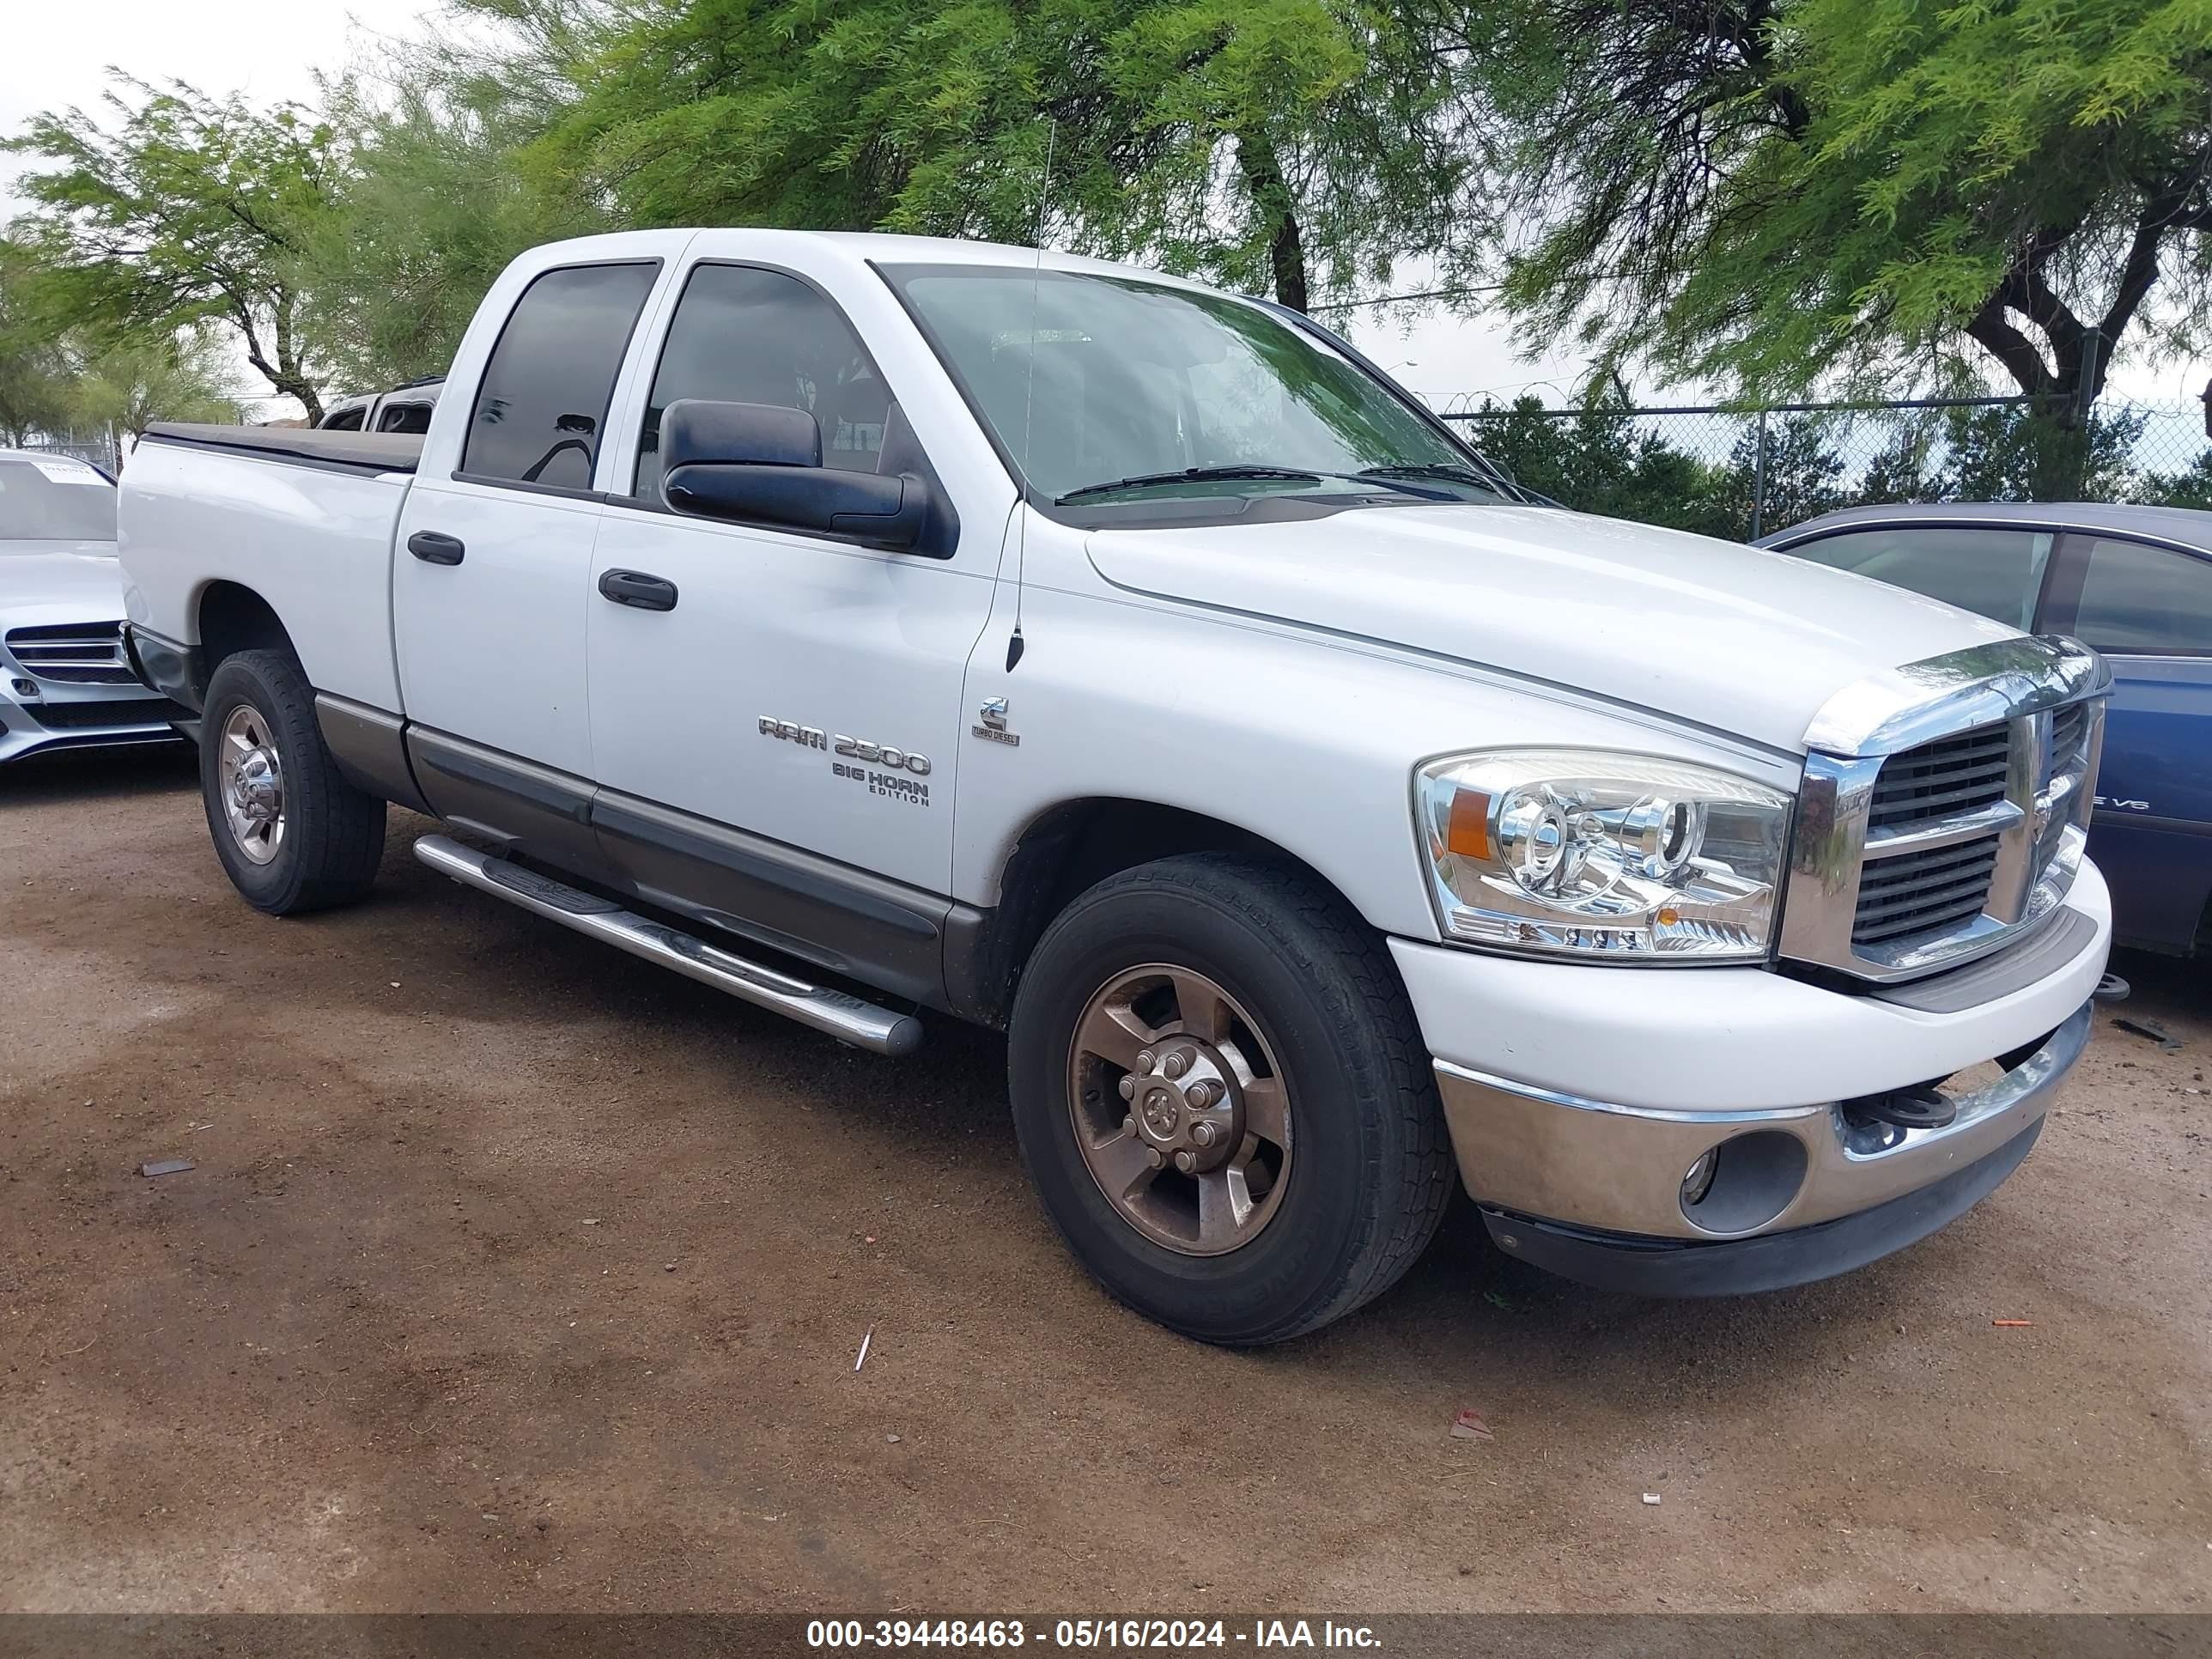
<point x="253" y="777"/>
<point x="1179" y="1109"/>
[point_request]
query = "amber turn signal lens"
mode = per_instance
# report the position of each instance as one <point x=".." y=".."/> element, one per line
<point x="1466" y="829"/>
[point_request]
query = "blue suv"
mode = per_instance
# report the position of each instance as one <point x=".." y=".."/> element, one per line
<point x="2136" y="582"/>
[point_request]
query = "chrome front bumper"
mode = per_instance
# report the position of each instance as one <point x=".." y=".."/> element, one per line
<point x="1596" y="1168"/>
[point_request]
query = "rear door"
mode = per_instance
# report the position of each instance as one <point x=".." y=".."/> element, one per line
<point x="2149" y="608"/>
<point x="493" y="569"/>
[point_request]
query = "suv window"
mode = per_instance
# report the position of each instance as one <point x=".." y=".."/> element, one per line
<point x="1997" y="573"/>
<point x="346" y="420"/>
<point x="746" y="335"/>
<point x="544" y="401"/>
<point x="2144" y="601"/>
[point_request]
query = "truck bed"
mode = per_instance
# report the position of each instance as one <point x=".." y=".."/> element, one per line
<point x="371" y="452"/>
<point x="303" y="520"/>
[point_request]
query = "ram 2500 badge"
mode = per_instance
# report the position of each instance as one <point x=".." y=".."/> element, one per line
<point x="875" y="628"/>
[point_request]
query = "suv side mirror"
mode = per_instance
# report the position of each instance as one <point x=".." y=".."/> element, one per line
<point x="762" y="463"/>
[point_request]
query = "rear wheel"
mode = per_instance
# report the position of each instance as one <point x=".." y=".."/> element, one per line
<point x="1223" y="1100"/>
<point x="292" y="833"/>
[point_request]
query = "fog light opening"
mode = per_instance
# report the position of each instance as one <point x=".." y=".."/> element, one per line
<point x="1742" y="1183"/>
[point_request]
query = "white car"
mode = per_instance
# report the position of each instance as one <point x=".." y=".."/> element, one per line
<point x="870" y="627"/>
<point x="63" y="682"/>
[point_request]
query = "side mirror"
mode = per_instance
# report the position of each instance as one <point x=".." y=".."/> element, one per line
<point x="762" y="463"/>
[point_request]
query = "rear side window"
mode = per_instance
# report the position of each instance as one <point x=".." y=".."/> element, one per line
<point x="543" y="404"/>
<point x="2145" y="601"/>
<point x="743" y="335"/>
<point x="346" y="420"/>
<point x="1996" y="573"/>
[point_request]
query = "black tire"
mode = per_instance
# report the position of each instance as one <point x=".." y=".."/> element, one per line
<point x="333" y="833"/>
<point x="1372" y="1172"/>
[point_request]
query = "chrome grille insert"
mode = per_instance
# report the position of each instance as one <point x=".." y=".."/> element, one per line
<point x="72" y="654"/>
<point x="1944" y="808"/>
<point x="1937" y="779"/>
<point x="1924" y="891"/>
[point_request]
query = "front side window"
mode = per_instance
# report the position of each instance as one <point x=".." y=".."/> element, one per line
<point x="544" y="401"/>
<point x="1103" y="388"/>
<point x="54" y="500"/>
<point x="742" y="335"/>
<point x="1996" y="573"/>
<point x="2145" y="601"/>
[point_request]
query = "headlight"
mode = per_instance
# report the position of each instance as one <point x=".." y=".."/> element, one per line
<point x="1616" y="858"/>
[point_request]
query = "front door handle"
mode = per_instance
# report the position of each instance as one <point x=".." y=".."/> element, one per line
<point x="432" y="547"/>
<point x="638" y="591"/>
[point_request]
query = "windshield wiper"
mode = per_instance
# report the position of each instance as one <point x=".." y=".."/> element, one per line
<point x="1194" y="475"/>
<point x="1454" y="471"/>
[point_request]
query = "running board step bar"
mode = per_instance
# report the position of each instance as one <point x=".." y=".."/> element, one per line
<point x="846" y="1017"/>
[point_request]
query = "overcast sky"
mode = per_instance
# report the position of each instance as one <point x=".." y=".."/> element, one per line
<point x="56" y="53"/>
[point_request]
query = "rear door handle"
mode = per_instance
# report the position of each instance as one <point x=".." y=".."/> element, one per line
<point x="432" y="547"/>
<point x="638" y="591"/>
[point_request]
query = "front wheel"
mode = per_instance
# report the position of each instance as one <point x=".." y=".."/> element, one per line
<point x="1223" y="1100"/>
<point x="293" y="835"/>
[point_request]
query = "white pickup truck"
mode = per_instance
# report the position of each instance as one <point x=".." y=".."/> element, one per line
<point x="876" y="627"/>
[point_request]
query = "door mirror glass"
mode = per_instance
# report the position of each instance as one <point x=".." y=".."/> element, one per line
<point x="693" y="430"/>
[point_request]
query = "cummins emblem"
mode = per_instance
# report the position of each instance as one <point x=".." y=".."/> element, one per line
<point x="993" y="728"/>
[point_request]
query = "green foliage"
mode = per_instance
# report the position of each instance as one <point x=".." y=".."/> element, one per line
<point x="428" y="204"/>
<point x="1602" y="459"/>
<point x="1761" y="194"/>
<point x="129" y="384"/>
<point x="34" y="370"/>
<point x="1300" y="146"/>
<point x="190" y="210"/>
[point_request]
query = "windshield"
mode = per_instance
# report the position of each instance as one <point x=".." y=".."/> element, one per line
<point x="1142" y="390"/>
<point x="54" y="500"/>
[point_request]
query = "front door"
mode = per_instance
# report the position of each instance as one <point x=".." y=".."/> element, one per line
<point x="784" y="736"/>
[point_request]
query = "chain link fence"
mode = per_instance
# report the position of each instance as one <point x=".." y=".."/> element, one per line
<point x="97" y="449"/>
<point x="1742" y="474"/>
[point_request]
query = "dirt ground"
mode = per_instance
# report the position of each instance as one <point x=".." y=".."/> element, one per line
<point x="514" y="1274"/>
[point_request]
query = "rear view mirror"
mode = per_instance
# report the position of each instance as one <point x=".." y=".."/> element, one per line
<point x="696" y="431"/>
<point x="762" y="463"/>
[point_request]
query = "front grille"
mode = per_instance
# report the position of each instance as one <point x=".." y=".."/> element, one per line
<point x="72" y="654"/>
<point x="1942" y="779"/>
<point x="115" y="711"/>
<point x="1923" y="892"/>
<point x="2070" y="732"/>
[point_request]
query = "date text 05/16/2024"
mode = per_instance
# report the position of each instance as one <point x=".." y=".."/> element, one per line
<point x="1088" y="1634"/>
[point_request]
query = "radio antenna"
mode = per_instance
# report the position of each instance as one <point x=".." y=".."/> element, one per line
<point x="1015" y="645"/>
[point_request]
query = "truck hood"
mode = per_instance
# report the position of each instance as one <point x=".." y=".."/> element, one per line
<point x="44" y="582"/>
<point x="1726" y="636"/>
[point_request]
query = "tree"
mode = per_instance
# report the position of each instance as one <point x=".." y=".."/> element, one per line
<point x="191" y="210"/>
<point x="34" y="371"/>
<point x="2005" y="453"/>
<point x="1300" y="147"/>
<point x="128" y="385"/>
<point x="1762" y="194"/>
<point x="430" y="202"/>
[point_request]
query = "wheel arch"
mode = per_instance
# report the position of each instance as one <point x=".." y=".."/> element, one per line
<point x="1062" y="852"/>
<point x="230" y="617"/>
